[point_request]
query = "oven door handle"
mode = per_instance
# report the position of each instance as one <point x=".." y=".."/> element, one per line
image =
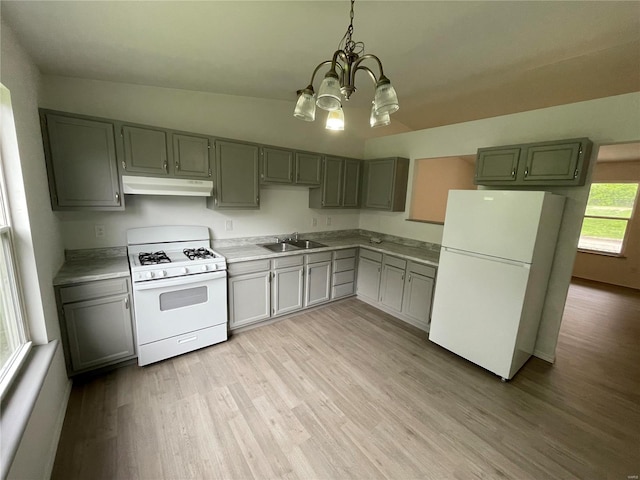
<point x="179" y="281"/>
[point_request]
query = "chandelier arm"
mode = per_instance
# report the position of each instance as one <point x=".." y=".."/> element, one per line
<point x="366" y="69"/>
<point x="365" y="57"/>
<point x="333" y="64"/>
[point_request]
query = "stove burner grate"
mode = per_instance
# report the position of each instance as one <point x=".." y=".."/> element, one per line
<point x="198" y="253"/>
<point x="148" y="258"/>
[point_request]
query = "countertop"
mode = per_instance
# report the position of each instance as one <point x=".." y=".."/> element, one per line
<point x="242" y="253"/>
<point x="79" y="270"/>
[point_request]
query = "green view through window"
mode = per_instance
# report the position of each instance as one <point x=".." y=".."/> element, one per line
<point x="609" y="208"/>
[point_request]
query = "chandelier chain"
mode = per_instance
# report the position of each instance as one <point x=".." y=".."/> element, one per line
<point x="347" y="42"/>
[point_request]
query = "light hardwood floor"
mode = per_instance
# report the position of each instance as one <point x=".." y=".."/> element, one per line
<point x="345" y="391"/>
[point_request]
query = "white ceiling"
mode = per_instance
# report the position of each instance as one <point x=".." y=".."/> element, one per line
<point x="449" y="61"/>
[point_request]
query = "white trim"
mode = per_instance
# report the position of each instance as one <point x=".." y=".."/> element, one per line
<point x="57" y="431"/>
<point x="13" y="366"/>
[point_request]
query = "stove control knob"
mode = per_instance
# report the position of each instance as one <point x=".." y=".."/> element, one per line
<point x="204" y="268"/>
<point x="184" y="270"/>
<point x="162" y="273"/>
<point x="150" y="275"/>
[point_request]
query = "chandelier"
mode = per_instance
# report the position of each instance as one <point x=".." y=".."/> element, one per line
<point x="340" y="81"/>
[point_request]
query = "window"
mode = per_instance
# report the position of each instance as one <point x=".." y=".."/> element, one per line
<point x="609" y="209"/>
<point x="14" y="339"/>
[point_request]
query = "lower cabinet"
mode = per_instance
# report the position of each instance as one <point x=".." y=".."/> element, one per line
<point x="343" y="280"/>
<point x="96" y="324"/>
<point x="317" y="279"/>
<point x="287" y="285"/>
<point x="399" y="287"/>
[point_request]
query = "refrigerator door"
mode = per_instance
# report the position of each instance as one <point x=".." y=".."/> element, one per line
<point x="501" y="224"/>
<point x="477" y="308"/>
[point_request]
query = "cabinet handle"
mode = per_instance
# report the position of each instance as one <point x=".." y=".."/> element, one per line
<point x="526" y="171"/>
<point x="165" y="166"/>
<point x="575" y="174"/>
<point x="177" y="166"/>
<point x="124" y="165"/>
<point x="409" y="278"/>
<point x="126" y="303"/>
<point x="117" y="197"/>
<point x="378" y="269"/>
<point x="258" y="200"/>
<point x="402" y="278"/>
<point x="209" y="172"/>
<point x="513" y="172"/>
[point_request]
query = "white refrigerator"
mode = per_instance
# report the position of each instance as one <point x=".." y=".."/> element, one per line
<point x="496" y="256"/>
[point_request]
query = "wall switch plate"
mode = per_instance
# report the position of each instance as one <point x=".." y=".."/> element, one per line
<point x="328" y="221"/>
<point x="99" y="231"/>
<point x="314" y="222"/>
<point x="228" y="225"/>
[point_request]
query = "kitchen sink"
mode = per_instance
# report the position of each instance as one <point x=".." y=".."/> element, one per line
<point x="292" y="245"/>
<point x="306" y="244"/>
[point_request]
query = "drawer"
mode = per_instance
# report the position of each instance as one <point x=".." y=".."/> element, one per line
<point x="344" y="277"/>
<point x="248" y="267"/>
<point x="426" y="270"/>
<point x="371" y="255"/>
<point x="347" y="253"/>
<point x="342" y="290"/>
<point x="170" y="347"/>
<point x="318" y="257"/>
<point x="344" y="264"/>
<point x="395" y="262"/>
<point x="97" y="289"/>
<point x="292" y="261"/>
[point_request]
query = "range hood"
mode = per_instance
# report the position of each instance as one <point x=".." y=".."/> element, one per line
<point x="166" y="186"/>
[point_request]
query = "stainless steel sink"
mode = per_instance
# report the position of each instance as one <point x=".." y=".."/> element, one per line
<point x="292" y="245"/>
<point x="280" y="247"/>
<point x="306" y="244"/>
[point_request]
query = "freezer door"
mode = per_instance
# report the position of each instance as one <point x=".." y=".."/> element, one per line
<point x="478" y="304"/>
<point x="501" y="224"/>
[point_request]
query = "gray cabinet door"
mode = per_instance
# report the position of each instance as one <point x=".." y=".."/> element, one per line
<point x="287" y="290"/>
<point x="351" y="184"/>
<point x="237" y="167"/>
<point x="332" y="182"/>
<point x="385" y="184"/>
<point x="317" y="286"/>
<point x="497" y="164"/>
<point x="99" y="332"/>
<point x="550" y="163"/>
<point x="81" y="163"/>
<point x="308" y="168"/>
<point x="379" y="181"/>
<point x="249" y="298"/>
<point x="277" y="166"/>
<point x="392" y="287"/>
<point x="145" y="150"/>
<point x="191" y="156"/>
<point x="368" y="284"/>
<point x="418" y="292"/>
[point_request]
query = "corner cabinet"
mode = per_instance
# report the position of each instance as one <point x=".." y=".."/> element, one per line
<point x="385" y="184"/>
<point x="557" y="163"/>
<point x="340" y="184"/>
<point x="96" y="324"/>
<point x="81" y="159"/>
<point x="237" y="173"/>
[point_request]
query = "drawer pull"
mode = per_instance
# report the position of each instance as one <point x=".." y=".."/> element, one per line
<point x="186" y="340"/>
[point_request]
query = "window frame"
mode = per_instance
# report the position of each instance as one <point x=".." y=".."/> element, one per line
<point x="625" y="238"/>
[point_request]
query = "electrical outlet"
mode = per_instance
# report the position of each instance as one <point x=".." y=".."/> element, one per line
<point x="328" y="221"/>
<point x="228" y="225"/>
<point x="99" y="231"/>
<point x="314" y="222"/>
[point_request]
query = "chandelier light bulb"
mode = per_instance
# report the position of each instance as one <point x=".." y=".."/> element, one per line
<point x="335" y="120"/>
<point x="306" y="106"/>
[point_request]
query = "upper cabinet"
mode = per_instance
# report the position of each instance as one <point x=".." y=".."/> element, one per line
<point x="81" y="162"/>
<point x="560" y="163"/>
<point x="145" y="150"/>
<point x="276" y="165"/>
<point x="385" y="184"/>
<point x="340" y="184"/>
<point x="308" y="168"/>
<point x="191" y="156"/>
<point x="237" y="167"/>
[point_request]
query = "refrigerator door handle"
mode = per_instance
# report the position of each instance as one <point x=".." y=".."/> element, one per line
<point x="488" y="257"/>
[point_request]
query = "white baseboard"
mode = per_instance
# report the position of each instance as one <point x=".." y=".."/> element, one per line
<point x="58" y="430"/>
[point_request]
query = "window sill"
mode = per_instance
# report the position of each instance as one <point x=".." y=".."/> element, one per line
<point x="604" y="254"/>
<point x="20" y="399"/>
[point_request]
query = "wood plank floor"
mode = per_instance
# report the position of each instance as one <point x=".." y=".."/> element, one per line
<point x="344" y="391"/>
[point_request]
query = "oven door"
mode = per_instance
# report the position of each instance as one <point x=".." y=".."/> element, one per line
<point x="175" y="306"/>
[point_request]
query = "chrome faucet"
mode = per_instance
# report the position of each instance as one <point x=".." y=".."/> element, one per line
<point x="295" y="236"/>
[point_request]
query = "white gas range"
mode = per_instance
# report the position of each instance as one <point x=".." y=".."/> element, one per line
<point x="179" y="291"/>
